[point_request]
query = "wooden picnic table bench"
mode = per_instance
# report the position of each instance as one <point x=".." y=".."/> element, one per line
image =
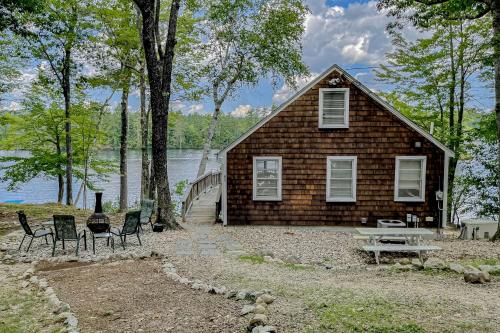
<point x="376" y="249"/>
<point x="411" y="235"/>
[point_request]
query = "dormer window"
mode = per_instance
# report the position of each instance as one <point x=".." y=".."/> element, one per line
<point x="334" y="108"/>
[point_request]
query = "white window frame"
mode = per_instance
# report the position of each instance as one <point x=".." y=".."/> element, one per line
<point x="329" y="160"/>
<point x="423" y="172"/>
<point x="346" y="108"/>
<point x="254" y="180"/>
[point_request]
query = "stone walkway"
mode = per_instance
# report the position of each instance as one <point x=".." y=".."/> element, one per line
<point x="199" y="221"/>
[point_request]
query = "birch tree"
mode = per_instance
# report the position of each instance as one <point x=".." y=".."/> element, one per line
<point x="244" y="42"/>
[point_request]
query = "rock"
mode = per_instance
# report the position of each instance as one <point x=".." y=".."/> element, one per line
<point x="49" y="291"/>
<point x="434" y="263"/>
<point x="487" y="268"/>
<point x="42" y="283"/>
<point x="266" y="298"/>
<point x="268" y="259"/>
<point x="400" y="267"/>
<point x="291" y="259"/>
<point x="71" y="320"/>
<point x="25" y="284"/>
<point x="474" y="275"/>
<point x="417" y="263"/>
<point x="199" y="286"/>
<point x="220" y="290"/>
<point x="242" y="295"/>
<point x="231" y="294"/>
<point x="264" y="329"/>
<point x="260" y="309"/>
<point x="63" y="307"/>
<point x="156" y="254"/>
<point x="174" y="276"/>
<point x="247" y="309"/>
<point x="54" y="301"/>
<point x="266" y="253"/>
<point x="404" y="261"/>
<point x="258" y="320"/>
<point x="184" y="281"/>
<point x="457" y="268"/>
<point x="34" y="279"/>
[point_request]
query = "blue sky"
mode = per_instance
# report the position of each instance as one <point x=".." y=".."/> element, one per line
<point x="349" y="33"/>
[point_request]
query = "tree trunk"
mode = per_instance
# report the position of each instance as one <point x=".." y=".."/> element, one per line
<point x="66" y="87"/>
<point x="496" y="48"/>
<point x="208" y="140"/>
<point x="160" y="78"/>
<point x="60" y="179"/>
<point x="144" y="136"/>
<point x="123" y="142"/>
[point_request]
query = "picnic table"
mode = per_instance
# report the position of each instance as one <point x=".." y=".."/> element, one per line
<point x="412" y="237"/>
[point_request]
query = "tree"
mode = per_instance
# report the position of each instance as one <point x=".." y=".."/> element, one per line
<point x="54" y="36"/>
<point x="10" y="9"/>
<point x="245" y="41"/>
<point x="39" y="130"/>
<point x="432" y="76"/>
<point x="159" y="61"/>
<point x="418" y="12"/>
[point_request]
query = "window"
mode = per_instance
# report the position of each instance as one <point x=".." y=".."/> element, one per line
<point x="410" y="178"/>
<point x="334" y="108"/>
<point x="267" y="178"/>
<point x="341" y="178"/>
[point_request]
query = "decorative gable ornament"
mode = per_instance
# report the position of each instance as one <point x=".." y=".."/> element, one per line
<point x="335" y="81"/>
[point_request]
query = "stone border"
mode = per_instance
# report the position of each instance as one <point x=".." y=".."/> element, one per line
<point x="61" y="309"/>
<point x="260" y="299"/>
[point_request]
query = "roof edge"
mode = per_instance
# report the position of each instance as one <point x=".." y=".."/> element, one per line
<point x="363" y="88"/>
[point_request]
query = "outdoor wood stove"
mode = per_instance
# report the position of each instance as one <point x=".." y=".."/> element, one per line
<point x="98" y="222"/>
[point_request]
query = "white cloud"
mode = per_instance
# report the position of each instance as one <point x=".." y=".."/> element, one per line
<point x="287" y="91"/>
<point x="241" y="110"/>
<point x="354" y="34"/>
<point x="179" y="106"/>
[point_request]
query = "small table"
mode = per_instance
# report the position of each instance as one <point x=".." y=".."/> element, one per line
<point x="412" y="235"/>
<point x="107" y="235"/>
<point x="386" y="223"/>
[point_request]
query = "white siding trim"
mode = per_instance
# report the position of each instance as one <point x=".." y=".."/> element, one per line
<point x="423" y="175"/>
<point x="346" y="108"/>
<point x="254" y="178"/>
<point x="224" y="189"/>
<point x="445" y="190"/>
<point x="354" y="182"/>
<point x="377" y="99"/>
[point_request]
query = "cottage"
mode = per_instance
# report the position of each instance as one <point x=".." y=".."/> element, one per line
<point x="334" y="154"/>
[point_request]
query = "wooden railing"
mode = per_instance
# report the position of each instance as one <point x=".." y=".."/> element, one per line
<point x="198" y="187"/>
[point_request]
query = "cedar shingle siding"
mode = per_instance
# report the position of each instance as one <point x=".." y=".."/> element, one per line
<point x="374" y="135"/>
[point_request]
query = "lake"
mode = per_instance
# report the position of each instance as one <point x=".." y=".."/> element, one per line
<point x="182" y="164"/>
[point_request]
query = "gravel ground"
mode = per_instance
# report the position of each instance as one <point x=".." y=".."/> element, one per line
<point x="135" y="296"/>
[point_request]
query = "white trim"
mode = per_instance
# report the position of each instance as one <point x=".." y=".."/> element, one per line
<point x="354" y="181"/>
<point x="224" y="189"/>
<point x="423" y="173"/>
<point x="254" y="178"/>
<point x="445" y="190"/>
<point x="378" y="99"/>
<point x="346" y="108"/>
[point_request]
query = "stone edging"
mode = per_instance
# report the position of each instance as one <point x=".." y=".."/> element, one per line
<point x="261" y="299"/>
<point x="61" y="309"/>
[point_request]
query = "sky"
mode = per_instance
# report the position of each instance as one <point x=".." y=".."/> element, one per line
<point x="348" y="33"/>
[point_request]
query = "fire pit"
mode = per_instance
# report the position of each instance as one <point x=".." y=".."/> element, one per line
<point x="98" y="222"/>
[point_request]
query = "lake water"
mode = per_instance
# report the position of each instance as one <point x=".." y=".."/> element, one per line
<point x="182" y="164"/>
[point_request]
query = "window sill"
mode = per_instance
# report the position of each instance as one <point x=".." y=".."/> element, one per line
<point x="266" y="199"/>
<point x="409" y="199"/>
<point x="341" y="200"/>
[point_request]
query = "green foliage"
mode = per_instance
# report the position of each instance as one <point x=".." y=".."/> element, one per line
<point x="180" y="187"/>
<point x="253" y="259"/>
<point x="38" y="130"/>
<point x="367" y="316"/>
<point x="112" y="207"/>
<point x="184" y="131"/>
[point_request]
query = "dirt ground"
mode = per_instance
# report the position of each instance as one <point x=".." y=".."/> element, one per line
<point x="135" y="296"/>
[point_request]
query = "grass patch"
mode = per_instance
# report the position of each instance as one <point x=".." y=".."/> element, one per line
<point x="298" y="267"/>
<point x="478" y="262"/>
<point x="368" y="316"/>
<point x="253" y="259"/>
<point x="23" y="312"/>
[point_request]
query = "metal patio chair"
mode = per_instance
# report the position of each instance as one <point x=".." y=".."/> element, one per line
<point x="130" y="227"/>
<point x="147" y="207"/>
<point x="39" y="232"/>
<point x="65" y="230"/>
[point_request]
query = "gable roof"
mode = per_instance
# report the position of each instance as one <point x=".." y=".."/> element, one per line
<point x="358" y="84"/>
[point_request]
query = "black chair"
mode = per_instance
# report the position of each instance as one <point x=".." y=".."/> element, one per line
<point x="130" y="227"/>
<point x="147" y="207"/>
<point x="40" y="232"/>
<point x="65" y="230"/>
